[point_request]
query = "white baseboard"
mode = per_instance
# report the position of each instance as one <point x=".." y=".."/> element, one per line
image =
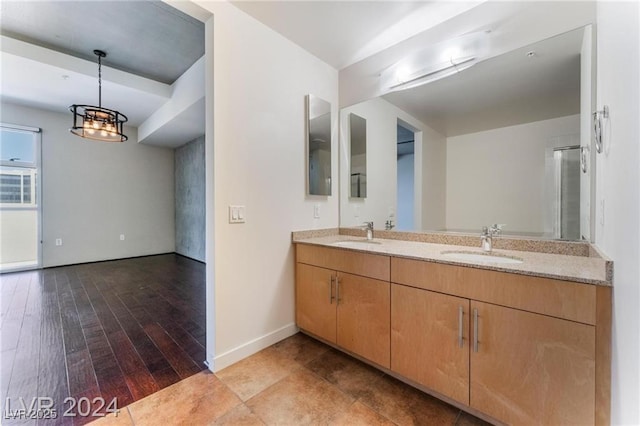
<point x="251" y="347"/>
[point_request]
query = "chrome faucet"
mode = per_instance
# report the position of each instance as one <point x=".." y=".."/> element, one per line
<point x="369" y="227"/>
<point x="488" y="232"/>
<point x="388" y="225"/>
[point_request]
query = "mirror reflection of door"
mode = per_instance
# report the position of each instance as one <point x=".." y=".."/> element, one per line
<point x="405" y="182"/>
<point x="19" y="195"/>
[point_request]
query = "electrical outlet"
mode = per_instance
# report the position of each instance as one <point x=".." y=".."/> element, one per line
<point x="121" y="237"/>
<point x="58" y="241"/>
<point x="316" y="211"/>
<point x="602" y="212"/>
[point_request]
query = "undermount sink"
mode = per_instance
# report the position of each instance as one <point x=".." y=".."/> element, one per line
<point x="467" y="256"/>
<point x="354" y="243"/>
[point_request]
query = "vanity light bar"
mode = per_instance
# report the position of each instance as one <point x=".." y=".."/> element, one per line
<point x="455" y="67"/>
<point x="435" y="61"/>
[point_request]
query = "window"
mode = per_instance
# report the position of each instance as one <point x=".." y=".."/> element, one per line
<point x="18" y="167"/>
<point x="18" y="186"/>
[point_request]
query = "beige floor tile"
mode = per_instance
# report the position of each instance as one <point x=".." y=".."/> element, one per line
<point x="257" y="372"/>
<point x="122" y="418"/>
<point x="301" y="348"/>
<point x="350" y="375"/>
<point x="239" y="416"/>
<point x="405" y="405"/>
<point x="467" y="419"/>
<point x="302" y="398"/>
<point x="199" y="399"/>
<point x="361" y="415"/>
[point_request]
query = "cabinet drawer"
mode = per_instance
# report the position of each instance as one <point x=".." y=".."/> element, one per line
<point x="364" y="264"/>
<point x="562" y="299"/>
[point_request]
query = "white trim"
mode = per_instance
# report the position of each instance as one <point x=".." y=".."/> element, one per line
<point x="251" y="347"/>
<point x="22" y="128"/>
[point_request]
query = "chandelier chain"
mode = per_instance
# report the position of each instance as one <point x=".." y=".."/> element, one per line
<point x="99" y="80"/>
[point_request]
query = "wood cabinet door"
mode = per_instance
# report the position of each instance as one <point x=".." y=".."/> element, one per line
<point x="315" y="303"/>
<point x="532" y="368"/>
<point x="364" y="317"/>
<point x="430" y="340"/>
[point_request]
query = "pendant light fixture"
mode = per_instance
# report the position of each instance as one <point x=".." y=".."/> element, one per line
<point x="96" y="122"/>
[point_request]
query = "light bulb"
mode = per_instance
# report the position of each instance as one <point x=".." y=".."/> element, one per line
<point x="96" y="125"/>
<point x="103" y="133"/>
<point x="402" y="74"/>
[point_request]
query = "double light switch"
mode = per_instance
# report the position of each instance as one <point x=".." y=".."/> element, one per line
<point x="236" y="214"/>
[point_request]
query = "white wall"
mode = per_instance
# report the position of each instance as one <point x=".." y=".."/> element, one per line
<point x="433" y="176"/>
<point x="382" y="121"/>
<point x="502" y="167"/>
<point x="258" y="157"/>
<point x="618" y="186"/>
<point x="94" y="191"/>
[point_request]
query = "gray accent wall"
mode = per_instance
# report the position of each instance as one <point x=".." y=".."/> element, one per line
<point x="190" y="201"/>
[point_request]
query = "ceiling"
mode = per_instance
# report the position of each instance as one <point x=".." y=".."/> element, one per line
<point x="344" y="32"/>
<point x="48" y="61"/>
<point x="151" y="44"/>
<point x="147" y="38"/>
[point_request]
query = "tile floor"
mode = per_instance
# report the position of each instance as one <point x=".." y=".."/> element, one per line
<point x="298" y="381"/>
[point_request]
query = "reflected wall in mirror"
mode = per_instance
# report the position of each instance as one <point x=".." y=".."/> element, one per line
<point x="319" y="145"/>
<point x="358" y="156"/>
<point x="495" y="143"/>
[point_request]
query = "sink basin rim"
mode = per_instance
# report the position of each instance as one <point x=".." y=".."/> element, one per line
<point x="472" y="256"/>
<point x="356" y="243"/>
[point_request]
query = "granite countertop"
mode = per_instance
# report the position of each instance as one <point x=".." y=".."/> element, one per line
<point x="581" y="269"/>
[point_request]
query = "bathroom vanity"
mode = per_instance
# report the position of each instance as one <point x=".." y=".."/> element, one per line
<point x="523" y="342"/>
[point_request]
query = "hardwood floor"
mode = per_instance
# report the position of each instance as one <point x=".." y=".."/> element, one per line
<point x="120" y="329"/>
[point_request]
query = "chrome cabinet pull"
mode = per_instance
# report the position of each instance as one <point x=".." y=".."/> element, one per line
<point x="475" y="330"/>
<point x="331" y="290"/>
<point x="338" y="290"/>
<point x="460" y="319"/>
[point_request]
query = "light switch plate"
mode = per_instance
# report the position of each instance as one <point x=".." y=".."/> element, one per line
<point x="316" y="211"/>
<point x="237" y="214"/>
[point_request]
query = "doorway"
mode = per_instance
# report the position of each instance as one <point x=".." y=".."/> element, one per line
<point x="405" y="179"/>
<point x="20" y="189"/>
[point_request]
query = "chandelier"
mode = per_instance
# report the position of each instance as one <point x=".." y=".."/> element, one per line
<point x="96" y="122"/>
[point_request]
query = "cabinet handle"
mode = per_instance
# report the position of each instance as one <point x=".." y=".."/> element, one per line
<point x="475" y="330"/>
<point x="338" y="290"/>
<point x="331" y="290"/>
<point x="460" y="319"/>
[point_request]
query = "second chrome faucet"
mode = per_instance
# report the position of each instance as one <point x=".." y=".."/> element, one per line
<point x="368" y="226"/>
<point x="488" y="232"/>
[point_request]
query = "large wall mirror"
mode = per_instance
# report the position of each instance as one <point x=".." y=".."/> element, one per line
<point x="499" y="142"/>
<point x="319" y="146"/>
